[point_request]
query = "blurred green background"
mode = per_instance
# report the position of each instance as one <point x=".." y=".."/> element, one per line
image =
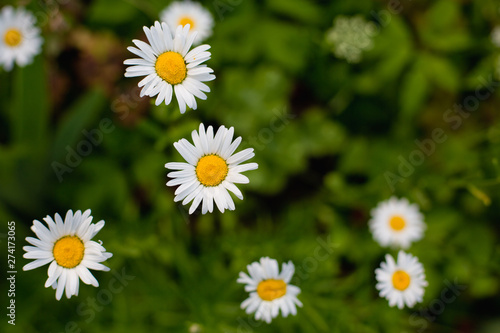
<point x="331" y="139"/>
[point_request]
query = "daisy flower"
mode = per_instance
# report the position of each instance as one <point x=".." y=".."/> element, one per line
<point x="401" y="282"/>
<point x="20" y="40"/>
<point x="192" y="13"/>
<point x="68" y="247"/>
<point x="396" y="223"/>
<point x="211" y="169"/>
<point x="270" y="290"/>
<point x="170" y="67"/>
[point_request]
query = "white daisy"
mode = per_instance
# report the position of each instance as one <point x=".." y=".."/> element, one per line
<point x="401" y="282"/>
<point x="270" y="290"/>
<point x="211" y="169"/>
<point x="68" y="247"/>
<point x="20" y="40"/>
<point x="192" y="13"/>
<point x="396" y="223"/>
<point x="169" y="67"/>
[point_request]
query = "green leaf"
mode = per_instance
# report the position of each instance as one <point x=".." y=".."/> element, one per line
<point x="393" y="49"/>
<point x="301" y="10"/>
<point x="22" y="173"/>
<point x="414" y="91"/>
<point x="443" y="27"/>
<point x="113" y="12"/>
<point x="79" y="116"/>
<point x="440" y="71"/>
<point x="285" y="44"/>
<point x="29" y="113"/>
<point x="483" y="197"/>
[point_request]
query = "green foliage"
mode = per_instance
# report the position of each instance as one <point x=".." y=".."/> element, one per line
<point x="327" y="137"/>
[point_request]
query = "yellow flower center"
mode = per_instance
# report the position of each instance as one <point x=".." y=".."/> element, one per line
<point x="211" y="170"/>
<point x="400" y="280"/>
<point x="187" y="20"/>
<point x="68" y="251"/>
<point x="12" y="37"/>
<point x="397" y="223"/>
<point x="269" y="290"/>
<point x="170" y="66"/>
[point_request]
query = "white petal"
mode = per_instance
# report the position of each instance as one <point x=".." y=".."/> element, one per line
<point x="61" y="284"/>
<point x="37" y="263"/>
<point x="86" y="276"/>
